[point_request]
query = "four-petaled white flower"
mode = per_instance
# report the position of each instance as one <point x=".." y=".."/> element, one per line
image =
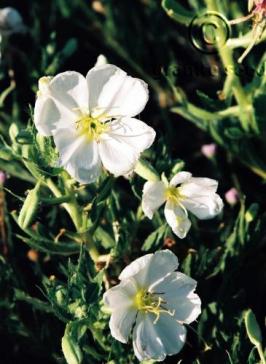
<point x="197" y="195"/>
<point x="92" y="120"/>
<point x="157" y="301"/>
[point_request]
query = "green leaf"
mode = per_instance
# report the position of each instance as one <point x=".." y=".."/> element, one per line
<point x="234" y="133"/>
<point x="252" y="328"/>
<point x="49" y="246"/>
<point x="155" y="239"/>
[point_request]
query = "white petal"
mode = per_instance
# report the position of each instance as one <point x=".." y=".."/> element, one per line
<point x="97" y="77"/>
<point x="115" y="93"/>
<point x="178" y="292"/>
<point x="151" y="267"/>
<point x="120" y="147"/>
<point x="135" y="267"/>
<point x="153" y="197"/>
<point x="146" y="343"/>
<point x="70" y="89"/>
<point x="121" y="323"/>
<point x="46" y="115"/>
<point x="204" y="207"/>
<point x="171" y="333"/>
<point x="199" y="186"/>
<point x="177" y="218"/>
<point x="121" y="295"/>
<point x="49" y="115"/>
<point x="155" y="341"/>
<point x="180" y="177"/>
<point x="79" y="157"/>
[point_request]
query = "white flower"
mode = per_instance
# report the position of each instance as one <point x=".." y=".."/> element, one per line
<point x="92" y="120"/>
<point x="156" y="301"/>
<point x="197" y="195"/>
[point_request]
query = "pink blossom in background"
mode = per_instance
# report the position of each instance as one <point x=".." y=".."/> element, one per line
<point x="209" y="150"/>
<point x="232" y="196"/>
<point x="2" y="177"/>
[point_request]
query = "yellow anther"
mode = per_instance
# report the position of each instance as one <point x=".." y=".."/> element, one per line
<point x="90" y="126"/>
<point x="148" y="302"/>
<point x="173" y="194"/>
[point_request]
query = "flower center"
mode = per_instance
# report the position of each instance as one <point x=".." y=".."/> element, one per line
<point x="151" y="302"/>
<point x="91" y="127"/>
<point x="173" y="194"/>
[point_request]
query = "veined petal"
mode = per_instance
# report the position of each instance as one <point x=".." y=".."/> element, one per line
<point x="96" y="78"/>
<point x="50" y="115"/>
<point x="153" y="197"/>
<point x="156" y="340"/>
<point x="180" y="177"/>
<point x="46" y="115"/>
<point x="121" y="145"/>
<point x="171" y="333"/>
<point x="197" y="186"/>
<point x="204" y="207"/>
<point x="121" y="323"/>
<point x="77" y="156"/>
<point x="115" y="93"/>
<point x="121" y="295"/>
<point x="178" y="291"/>
<point x="70" y="89"/>
<point x="146" y="343"/>
<point x="135" y="267"/>
<point x="177" y="218"/>
<point x="150" y="268"/>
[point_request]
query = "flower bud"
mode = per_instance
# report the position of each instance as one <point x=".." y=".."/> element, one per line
<point x="232" y="196"/>
<point x="70" y="348"/>
<point x="146" y="171"/>
<point x="11" y="21"/>
<point x="29" y="208"/>
<point x="101" y="60"/>
<point x="209" y="150"/>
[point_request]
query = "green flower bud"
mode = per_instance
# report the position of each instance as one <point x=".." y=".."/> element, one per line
<point x="71" y="349"/>
<point x="29" y="208"/>
<point x="13" y="132"/>
<point x="146" y="171"/>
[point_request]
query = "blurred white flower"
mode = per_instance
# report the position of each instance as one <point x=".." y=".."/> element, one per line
<point x="11" y="21"/>
<point x="197" y="195"/>
<point x="92" y="120"/>
<point x="156" y="301"/>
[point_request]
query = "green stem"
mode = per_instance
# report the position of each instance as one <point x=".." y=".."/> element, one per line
<point x="70" y="207"/>
<point x="77" y="215"/>
<point x="261" y="354"/>
<point x="226" y="55"/>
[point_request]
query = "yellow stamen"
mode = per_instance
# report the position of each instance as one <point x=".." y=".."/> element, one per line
<point x="151" y="302"/>
<point x="90" y="126"/>
<point x="173" y="194"/>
